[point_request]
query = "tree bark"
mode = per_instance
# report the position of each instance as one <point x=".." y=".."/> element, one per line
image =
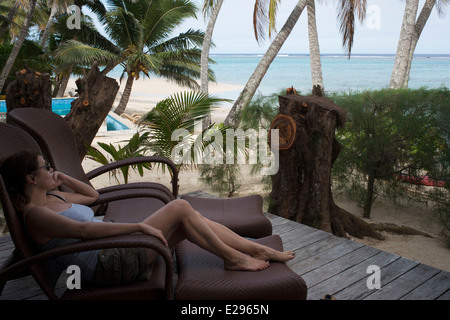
<point x="204" y="75"/>
<point x="255" y="80"/>
<point x="314" y="48"/>
<point x="31" y="89"/>
<point x="50" y="21"/>
<point x="420" y="24"/>
<point x="301" y="189"/>
<point x="369" y="196"/>
<point x="97" y="94"/>
<point x="125" y="96"/>
<point x="404" y="45"/>
<point x="11" y="14"/>
<point x="62" y="84"/>
<point x="15" y="51"/>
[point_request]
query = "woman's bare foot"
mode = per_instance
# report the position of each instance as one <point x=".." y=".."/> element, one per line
<point x="243" y="262"/>
<point x="267" y="253"/>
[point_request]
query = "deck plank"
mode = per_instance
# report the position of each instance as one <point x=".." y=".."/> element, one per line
<point x="431" y="289"/>
<point x="393" y="270"/>
<point x="350" y="276"/>
<point x="404" y="284"/>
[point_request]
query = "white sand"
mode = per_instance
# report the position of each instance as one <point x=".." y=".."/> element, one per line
<point x="147" y="93"/>
<point x="431" y="251"/>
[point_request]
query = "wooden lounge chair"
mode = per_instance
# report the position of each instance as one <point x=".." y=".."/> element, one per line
<point x="25" y="259"/>
<point x="57" y="142"/>
<point x="201" y="274"/>
<point x="55" y="138"/>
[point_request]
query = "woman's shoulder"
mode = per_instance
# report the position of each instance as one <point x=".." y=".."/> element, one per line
<point x="36" y="209"/>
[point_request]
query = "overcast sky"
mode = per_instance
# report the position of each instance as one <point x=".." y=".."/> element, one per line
<point x="234" y="31"/>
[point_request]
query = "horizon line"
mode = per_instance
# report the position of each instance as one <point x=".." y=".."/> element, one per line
<point x="340" y="54"/>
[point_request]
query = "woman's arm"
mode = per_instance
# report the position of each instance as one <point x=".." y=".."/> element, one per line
<point x="47" y="224"/>
<point x="83" y="193"/>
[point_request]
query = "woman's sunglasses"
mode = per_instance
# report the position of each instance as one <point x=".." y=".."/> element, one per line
<point x="47" y="167"/>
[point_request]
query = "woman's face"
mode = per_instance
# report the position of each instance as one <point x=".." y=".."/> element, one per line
<point x="44" y="173"/>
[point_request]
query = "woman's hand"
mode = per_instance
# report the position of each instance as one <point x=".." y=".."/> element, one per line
<point x="83" y="193"/>
<point x="59" y="178"/>
<point x="151" y="231"/>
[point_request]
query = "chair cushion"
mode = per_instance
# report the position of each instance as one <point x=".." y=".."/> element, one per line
<point x="243" y="215"/>
<point x="201" y="276"/>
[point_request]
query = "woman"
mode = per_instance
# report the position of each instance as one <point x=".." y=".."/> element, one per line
<point x="52" y="218"/>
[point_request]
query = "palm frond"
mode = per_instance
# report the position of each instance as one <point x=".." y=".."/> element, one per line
<point x="123" y="28"/>
<point x="264" y="18"/>
<point x="72" y="51"/>
<point x="348" y="10"/>
<point x="208" y="6"/>
<point x="180" y="111"/>
<point x="162" y="19"/>
<point x="185" y="40"/>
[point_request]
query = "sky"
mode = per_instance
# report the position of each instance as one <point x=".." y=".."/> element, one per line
<point x="233" y="32"/>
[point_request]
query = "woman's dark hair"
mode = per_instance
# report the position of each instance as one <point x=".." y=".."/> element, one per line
<point x="14" y="171"/>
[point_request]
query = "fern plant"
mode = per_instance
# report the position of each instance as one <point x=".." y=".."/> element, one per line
<point x="180" y="111"/>
<point x="135" y="147"/>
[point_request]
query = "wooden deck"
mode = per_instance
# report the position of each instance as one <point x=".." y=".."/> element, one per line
<point x="328" y="264"/>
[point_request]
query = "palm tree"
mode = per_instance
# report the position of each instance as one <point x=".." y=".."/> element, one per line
<point x="56" y="7"/>
<point x="314" y="48"/>
<point x="18" y="44"/>
<point x="255" y="79"/>
<point x="142" y="32"/>
<point x="6" y="21"/>
<point x="404" y="45"/>
<point x="211" y="8"/>
<point x="346" y="16"/>
<point x="400" y="80"/>
<point x="75" y="49"/>
<point x="87" y="35"/>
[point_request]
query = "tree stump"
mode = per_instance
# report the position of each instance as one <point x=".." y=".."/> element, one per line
<point x="31" y="89"/>
<point x="96" y="97"/>
<point x="301" y="188"/>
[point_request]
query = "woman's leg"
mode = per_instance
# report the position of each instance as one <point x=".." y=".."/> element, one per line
<point x="178" y="221"/>
<point x="243" y="245"/>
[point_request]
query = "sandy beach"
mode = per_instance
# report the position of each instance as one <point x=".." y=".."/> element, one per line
<point x="146" y="93"/>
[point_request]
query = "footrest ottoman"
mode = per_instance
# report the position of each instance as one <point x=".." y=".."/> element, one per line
<point x="201" y="276"/>
<point x="243" y="215"/>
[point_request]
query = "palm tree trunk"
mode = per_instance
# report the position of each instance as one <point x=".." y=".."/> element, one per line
<point x="125" y="96"/>
<point x="15" y="51"/>
<point x="64" y="82"/>
<point x="49" y="24"/>
<point x="204" y="75"/>
<point x="11" y="14"/>
<point x="314" y="48"/>
<point x="207" y="45"/>
<point x="420" y="24"/>
<point x="404" y="45"/>
<point x="253" y="83"/>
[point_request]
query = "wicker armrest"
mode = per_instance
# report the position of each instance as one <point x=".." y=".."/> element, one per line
<point x="123" y="241"/>
<point x="128" y="162"/>
<point x="130" y="194"/>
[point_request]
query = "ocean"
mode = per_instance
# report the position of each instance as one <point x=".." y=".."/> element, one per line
<point x="360" y="72"/>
